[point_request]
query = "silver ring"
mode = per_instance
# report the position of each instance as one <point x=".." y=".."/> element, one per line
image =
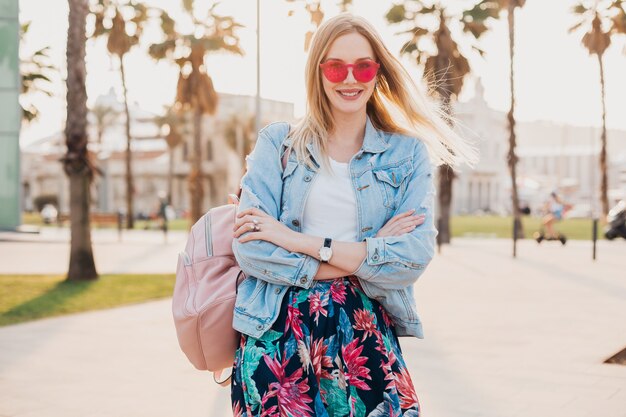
<point x="255" y="221"/>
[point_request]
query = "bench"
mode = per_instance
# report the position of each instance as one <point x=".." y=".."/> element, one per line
<point x="99" y="219"/>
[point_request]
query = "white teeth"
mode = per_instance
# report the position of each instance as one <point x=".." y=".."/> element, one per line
<point x="349" y="94"/>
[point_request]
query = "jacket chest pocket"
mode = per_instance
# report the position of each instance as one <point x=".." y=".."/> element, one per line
<point x="287" y="178"/>
<point x="391" y="181"/>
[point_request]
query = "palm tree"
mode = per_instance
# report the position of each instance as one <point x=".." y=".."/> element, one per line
<point x="316" y="15"/>
<point x="171" y="126"/>
<point x="492" y="9"/>
<point x="76" y="162"/>
<point x="195" y="92"/>
<point x="239" y="132"/>
<point x="35" y="71"/>
<point x="123" y="25"/>
<point x="601" y="21"/>
<point x="104" y="116"/>
<point x="445" y="69"/>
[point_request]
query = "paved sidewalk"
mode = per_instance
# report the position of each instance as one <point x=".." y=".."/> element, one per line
<point x="48" y="252"/>
<point x="503" y="338"/>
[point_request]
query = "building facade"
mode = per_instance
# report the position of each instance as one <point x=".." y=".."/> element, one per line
<point x="222" y="164"/>
<point x="10" y="116"/>
<point x="551" y="157"/>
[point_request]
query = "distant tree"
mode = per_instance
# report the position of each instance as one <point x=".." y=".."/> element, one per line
<point x="316" y="15"/>
<point x="35" y="71"/>
<point x="76" y="162"/>
<point x="445" y="68"/>
<point x="240" y="135"/>
<point x="601" y="22"/>
<point x="210" y="34"/>
<point x="171" y="126"/>
<point x="494" y="9"/>
<point x="122" y="24"/>
<point x="104" y="117"/>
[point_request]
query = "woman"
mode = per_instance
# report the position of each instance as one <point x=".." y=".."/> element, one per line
<point x="332" y="244"/>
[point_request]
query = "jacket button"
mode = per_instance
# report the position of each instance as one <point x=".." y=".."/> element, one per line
<point x="359" y="156"/>
<point x="307" y="178"/>
<point x="277" y="291"/>
<point x="259" y="327"/>
<point x="375" y="257"/>
<point x="295" y="222"/>
<point x="303" y="280"/>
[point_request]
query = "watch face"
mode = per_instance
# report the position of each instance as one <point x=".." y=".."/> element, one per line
<point x="325" y="253"/>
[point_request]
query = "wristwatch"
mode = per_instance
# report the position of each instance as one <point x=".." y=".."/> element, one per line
<point x="325" y="251"/>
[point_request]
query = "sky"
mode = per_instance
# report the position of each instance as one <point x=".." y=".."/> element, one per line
<point x="556" y="79"/>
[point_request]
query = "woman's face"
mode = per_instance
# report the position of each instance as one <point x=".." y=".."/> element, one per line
<point x="349" y="48"/>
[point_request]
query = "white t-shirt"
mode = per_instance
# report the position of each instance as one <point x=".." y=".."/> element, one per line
<point x="330" y="208"/>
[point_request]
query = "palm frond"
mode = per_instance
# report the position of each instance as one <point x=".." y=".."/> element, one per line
<point x="576" y="26"/>
<point x="396" y="13"/>
<point x="579" y="8"/>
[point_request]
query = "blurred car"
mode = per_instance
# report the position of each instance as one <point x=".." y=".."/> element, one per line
<point x="616" y="220"/>
<point x="49" y="213"/>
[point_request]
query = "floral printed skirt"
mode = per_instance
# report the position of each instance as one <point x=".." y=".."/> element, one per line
<point x="332" y="352"/>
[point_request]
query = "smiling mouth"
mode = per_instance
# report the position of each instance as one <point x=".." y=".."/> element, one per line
<point x="350" y="93"/>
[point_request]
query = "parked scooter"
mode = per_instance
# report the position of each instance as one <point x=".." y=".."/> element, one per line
<point x="616" y="221"/>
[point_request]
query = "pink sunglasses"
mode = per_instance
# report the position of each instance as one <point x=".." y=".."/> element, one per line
<point x="336" y="71"/>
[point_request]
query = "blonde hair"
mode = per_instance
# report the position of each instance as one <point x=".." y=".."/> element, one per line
<point x="396" y="105"/>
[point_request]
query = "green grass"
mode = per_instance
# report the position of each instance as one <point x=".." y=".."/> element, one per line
<point x="30" y="297"/>
<point x="34" y="219"/>
<point x="176" y="224"/>
<point x="496" y="226"/>
<point x="462" y="226"/>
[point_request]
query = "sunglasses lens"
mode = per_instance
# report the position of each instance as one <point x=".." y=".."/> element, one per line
<point x="335" y="71"/>
<point x="365" y="71"/>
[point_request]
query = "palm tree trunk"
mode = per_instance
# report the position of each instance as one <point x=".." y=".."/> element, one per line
<point x="130" y="189"/>
<point x="512" y="157"/>
<point x="603" y="166"/>
<point x="76" y="160"/>
<point x="170" y="176"/>
<point x="446" y="177"/>
<point x="196" y="191"/>
<point x="240" y="143"/>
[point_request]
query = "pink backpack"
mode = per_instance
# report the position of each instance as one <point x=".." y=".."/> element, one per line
<point x="204" y="293"/>
<point x="207" y="276"/>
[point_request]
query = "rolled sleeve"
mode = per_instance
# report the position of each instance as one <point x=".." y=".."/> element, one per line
<point x="396" y="262"/>
<point x="261" y="187"/>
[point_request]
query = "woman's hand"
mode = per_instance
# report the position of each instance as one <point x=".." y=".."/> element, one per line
<point x="268" y="228"/>
<point x="400" y="224"/>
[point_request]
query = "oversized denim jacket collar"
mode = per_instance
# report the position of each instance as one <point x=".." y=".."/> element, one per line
<point x="391" y="173"/>
<point x="373" y="142"/>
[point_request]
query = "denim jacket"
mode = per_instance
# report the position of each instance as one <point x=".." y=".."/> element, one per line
<point x="391" y="173"/>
